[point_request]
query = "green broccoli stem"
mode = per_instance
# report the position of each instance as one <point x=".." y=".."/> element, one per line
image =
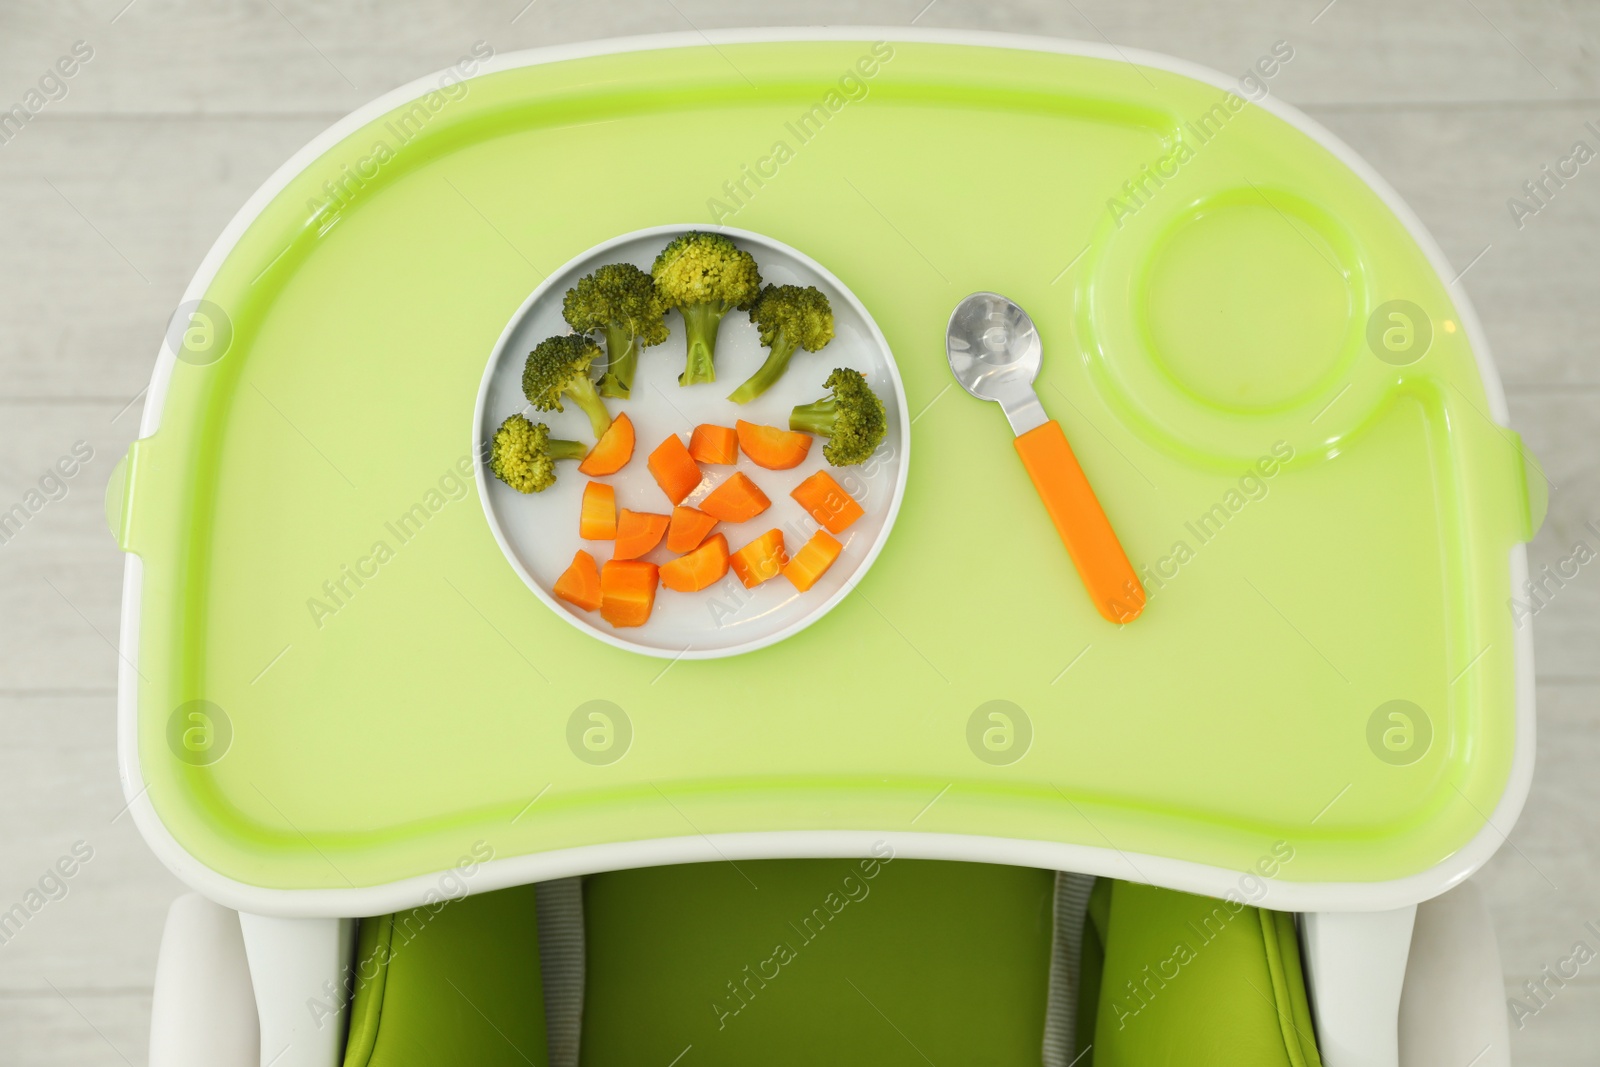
<point x="566" y="449"/>
<point x="769" y="372"/>
<point x="700" y="322"/>
<point x="815" y="418"/>
<point x="582" y="391"/>
<point x="622" y="353"/>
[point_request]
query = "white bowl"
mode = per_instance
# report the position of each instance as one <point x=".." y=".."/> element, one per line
<point x="539" y="532"/>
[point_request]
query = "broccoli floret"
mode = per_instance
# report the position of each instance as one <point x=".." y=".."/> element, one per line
<point x="704" y="276"/>
<point x="789" y="317"/>
<point x="560" y="365"/>
<point x="621" y="302"/>
<point x="523" y="456"/>
<point x="851" y="417"/>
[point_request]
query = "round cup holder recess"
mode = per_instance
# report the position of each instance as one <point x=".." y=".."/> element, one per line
<point x="1233" y="324"/>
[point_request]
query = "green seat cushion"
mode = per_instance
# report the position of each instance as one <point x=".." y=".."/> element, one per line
<point x="1194" y="981"/>
<point x="455" y="982"/>
<point x="810" y="962"/>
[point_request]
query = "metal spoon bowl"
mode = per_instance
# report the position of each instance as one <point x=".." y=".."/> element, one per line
<point x="995" y="352"/>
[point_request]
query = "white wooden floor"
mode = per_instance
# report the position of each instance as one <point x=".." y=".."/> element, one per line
<point x="111" y="196"/>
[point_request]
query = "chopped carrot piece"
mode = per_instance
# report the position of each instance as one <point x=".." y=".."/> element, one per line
<point x="627" y="591"/>
<point x="714" y="444"/>
<point x="736" y="500"/>
<point x="827" y="502"/>
<point x="813" y="560"/>
<point x="597" y="519"/>
<point x="703" y="567"/>
<point x="761" y="559"/>
<point x="689" y="527"/>
<point x="674" y="469"/>
<point x="637" y="533"/>
<point x="772" y="448"/>
<point x="579" y="584"/>
<point x="612" y="452"/>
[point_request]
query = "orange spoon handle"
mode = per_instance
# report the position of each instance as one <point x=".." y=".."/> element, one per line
<point x="1091" y="542"/>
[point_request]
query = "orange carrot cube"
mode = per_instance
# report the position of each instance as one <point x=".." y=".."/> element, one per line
<point x="761" y="559"/>
<point x="674" y="469"/>
<point x="579" y="584"/>
<point x="736" y="500"/>
<point x="597" y="518"/>
<point x="612" y="452"/>
<point x="770" y="447"/>
<point x="688" y="529"/>
<point x="637" y="533"/>
<point x="701" y="568"/>
<point x="813" y="560"/>
<point x="827" y="502"/>
<point x="627" y="591"/>
<point x="714" y="444"/>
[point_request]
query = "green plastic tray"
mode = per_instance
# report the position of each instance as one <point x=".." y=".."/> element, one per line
<point x="1326" y="531"/>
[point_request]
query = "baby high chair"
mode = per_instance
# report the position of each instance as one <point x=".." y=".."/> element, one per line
<point x="957" y="818"/>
